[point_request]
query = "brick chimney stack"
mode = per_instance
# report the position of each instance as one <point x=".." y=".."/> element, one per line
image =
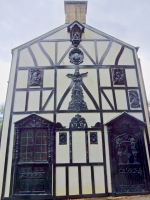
<point x="75" y="10"/>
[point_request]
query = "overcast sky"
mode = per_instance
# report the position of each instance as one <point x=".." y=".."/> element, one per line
<point x="24" y="20"/>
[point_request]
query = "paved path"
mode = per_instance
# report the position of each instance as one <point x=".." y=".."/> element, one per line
<point x="141" y="197"/>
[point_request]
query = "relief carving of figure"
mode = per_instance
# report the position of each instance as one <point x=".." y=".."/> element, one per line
<point x="134" y="99"/>
<point x="118" y="77"/>
<point x="77" y="103"/>
<point x="35" y="77"/>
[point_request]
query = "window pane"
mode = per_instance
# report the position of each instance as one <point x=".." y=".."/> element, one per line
<point x="33" y="145"/>
<point x="26" y="146"/>
<point x="40" y="145"/>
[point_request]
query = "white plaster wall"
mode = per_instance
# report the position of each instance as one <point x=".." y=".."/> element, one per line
<point x="62" y="34"/>
<point x="7" y="116"/>
<point x="49" y="47"/>
<point x="112" y="54"/>
<point x="109" y="95"/>
<point x="126" y="57"/>
<point x="104" y="77"/>
<point x="48" y="78"/>
<point x="20" y="99"/>
<point x="138" y="115"/>
<point x="62" y="151"/>
<point x="91" y="82"/>
<point x="60" y="181"/>
<point x="121" y="99"/>
<point x="47" y="116"/>
<point x="61" y="49"/>
<point x="63" y="83"/>
<point x="95" y="150"/>
<point x="99" y="179"/>
<point x="131" y="78"/>
<point x="40" y="57"/>
<point x="34" y="100"/>
<point x="73" y="181"/>
<point x="86" y="60"/>
<point x="45" y="95"/>
<point x="22" y="79"/>
<point x="25" y="59"/>
<point x="109" y="116"/>
<point x="88" y="34"/>
<point x="108" y="168"/>
<point x="101" y="48"/>
<point x="90" y="48"/>
<point x="86" y="180"/>
<point x="78" y="147"/>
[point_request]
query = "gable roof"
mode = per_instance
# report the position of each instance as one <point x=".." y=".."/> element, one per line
<point x="124" y="115"/>
<point x="67" y="25"/>
<point x="32" y="121"/>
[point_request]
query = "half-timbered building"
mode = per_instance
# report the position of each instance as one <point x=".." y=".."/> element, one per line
<point x="76" y="121"/>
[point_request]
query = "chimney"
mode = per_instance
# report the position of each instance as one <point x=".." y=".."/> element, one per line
<point x="75" y="10"/>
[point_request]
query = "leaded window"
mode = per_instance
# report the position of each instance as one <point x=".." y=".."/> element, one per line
<point x="33" y="145"/>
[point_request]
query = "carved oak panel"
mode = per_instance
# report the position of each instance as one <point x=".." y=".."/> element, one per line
<point x="35" y="77"/>
<point x="134" y="99"/>
<point x="62" y="138"/>
<point x="118" y="76"/>
<point x="93" y="138"/>
<point x="33" y="154"/>
<point x="127" y="155"/>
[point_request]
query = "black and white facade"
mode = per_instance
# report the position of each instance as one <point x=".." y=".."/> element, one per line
<point x="76" y="119"/>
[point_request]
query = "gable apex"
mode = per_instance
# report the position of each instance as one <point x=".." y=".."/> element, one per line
<point x="76" y="23"/>
<point x="124" y="115"/>
<point x="32" y="121"/>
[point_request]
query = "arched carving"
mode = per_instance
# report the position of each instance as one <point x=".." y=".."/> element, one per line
<point x="127" y="154"/>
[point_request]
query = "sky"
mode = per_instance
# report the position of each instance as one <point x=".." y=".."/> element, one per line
<point x="24" y="20"/>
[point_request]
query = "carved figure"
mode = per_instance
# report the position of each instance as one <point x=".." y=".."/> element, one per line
<point x="78" y="122"/>
<point x="76" y="29"/>
<point x="62" y="138"/>
<point x="76" y="56"/>
<point x="118" y="76"/>
<point x="77" y="103"/>
<point x="126" y="149"/>
<point x="76" y="35"/>
<point x="134" y="99"/>
<point x="93" y="138"/>
<point x="35" y="77"/>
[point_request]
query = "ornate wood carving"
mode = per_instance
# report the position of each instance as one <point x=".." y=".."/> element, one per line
<point x="97" y="125"/>
<point x="78" y="122"/>
<point x="118" y="76"/>
<point x="62" y="138"/>
<point x="59" y="126"/>
<point x="134" y="99"/>
<point x="93" y="138"/>
<point x="76" y="56"/>
<point x="33" y="178"/>
<point x="75" y="29"/>
<point x="77" y="103"/>
<point x="127" y="154"/>
<point x="35" y="77"/>
<point x="34" y="121"/>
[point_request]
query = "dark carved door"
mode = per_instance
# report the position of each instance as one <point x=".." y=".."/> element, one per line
<point x="129" y="168"/>
<point x="33" y="156"/>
